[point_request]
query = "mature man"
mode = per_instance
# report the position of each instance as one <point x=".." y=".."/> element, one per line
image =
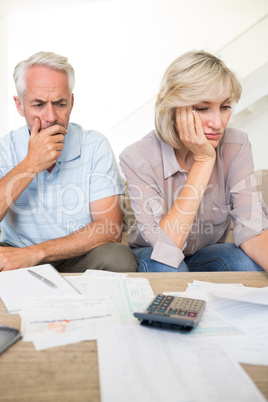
<point x="59" y="184"/>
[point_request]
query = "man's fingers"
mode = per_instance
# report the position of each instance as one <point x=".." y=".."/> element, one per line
<point x="50" y="131"/>
<point x="55" y="129"/>
<point x="36" y="126"/>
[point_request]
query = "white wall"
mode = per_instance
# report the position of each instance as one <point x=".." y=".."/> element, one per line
<point x="3" y="74"/>
<point x="251" y="113"/>
<point x="120" y="49"/>
<point x="257" y="130"/>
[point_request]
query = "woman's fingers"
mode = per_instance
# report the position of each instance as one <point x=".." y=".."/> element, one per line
<point x="185" y="123"/>
<point x="190" y="131"/>
<point x="198" y="124"/>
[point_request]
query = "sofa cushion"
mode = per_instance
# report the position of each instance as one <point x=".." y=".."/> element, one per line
<point x="262" y="187"/>
<point x="128" y="214"/>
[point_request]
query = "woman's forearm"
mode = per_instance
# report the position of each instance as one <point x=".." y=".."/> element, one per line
<point x="179" y="219"/>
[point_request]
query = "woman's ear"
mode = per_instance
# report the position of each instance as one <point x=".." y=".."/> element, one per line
<point x="19" y="105"/>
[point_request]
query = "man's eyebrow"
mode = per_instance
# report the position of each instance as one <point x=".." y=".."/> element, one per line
<point x="37" y="100"/>
<point x="60" y="100"/>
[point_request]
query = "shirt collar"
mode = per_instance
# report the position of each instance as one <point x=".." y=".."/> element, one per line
<point x="170" y="163"/>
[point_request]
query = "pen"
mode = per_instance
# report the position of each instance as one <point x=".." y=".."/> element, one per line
<point x="41" y="278"/>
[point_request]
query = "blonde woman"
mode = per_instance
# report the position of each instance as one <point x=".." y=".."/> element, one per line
<point x="192" y="175"/>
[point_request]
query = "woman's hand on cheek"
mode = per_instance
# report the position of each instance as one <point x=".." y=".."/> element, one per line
<point x="190" y="130"/>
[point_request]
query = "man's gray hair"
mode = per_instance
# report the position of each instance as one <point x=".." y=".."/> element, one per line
<point x="46" y="59"/>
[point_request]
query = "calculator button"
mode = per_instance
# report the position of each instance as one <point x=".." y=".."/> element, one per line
<point x="192" y="314"/>
<point x="182" y="312"/>
<point x="161" y="310"/>
<point x="185" y="304"/>
<point x="165" y="306"/>
<point x="172" y="311"/>
<point x="169" y="298"/>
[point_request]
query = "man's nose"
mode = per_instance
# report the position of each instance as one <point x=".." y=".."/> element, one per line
<point x="49" y="114"/>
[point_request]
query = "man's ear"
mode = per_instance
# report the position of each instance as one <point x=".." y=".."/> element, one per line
<point x="18" y="105"/>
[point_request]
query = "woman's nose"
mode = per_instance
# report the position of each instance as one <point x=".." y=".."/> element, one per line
<point x="215" y="120"/>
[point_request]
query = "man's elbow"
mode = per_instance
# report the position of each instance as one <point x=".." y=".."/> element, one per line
<point x="116" y="232"/>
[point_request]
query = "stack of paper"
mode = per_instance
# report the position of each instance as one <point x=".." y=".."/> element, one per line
<point x="153" y="365"/>
<point x="73" y="309"/>
<point x="19" y="284"/>
<point x="55" y="321"/>
<point x="127" y="294"/>
<point x="202" y="365"/>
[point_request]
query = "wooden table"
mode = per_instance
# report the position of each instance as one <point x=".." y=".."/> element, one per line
<point x="70" y="373"/>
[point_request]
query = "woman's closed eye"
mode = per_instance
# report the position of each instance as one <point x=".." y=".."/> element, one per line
<point x="200" y="109"/>
<point x="206" y="108"/>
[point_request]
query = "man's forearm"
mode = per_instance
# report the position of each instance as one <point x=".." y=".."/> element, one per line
<point x="80" y="242"/>
<point x="44" y="148"/>
<point x="12" y="186"/>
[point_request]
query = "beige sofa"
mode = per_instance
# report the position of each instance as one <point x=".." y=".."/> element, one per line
<point x="129" y="217"/>
<point x="262" y="186"/>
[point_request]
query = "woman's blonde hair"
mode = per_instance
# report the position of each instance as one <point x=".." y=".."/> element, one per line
<point x="191" y="78"/>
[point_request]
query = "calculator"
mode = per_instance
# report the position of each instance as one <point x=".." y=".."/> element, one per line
<point x="172" y="312"/>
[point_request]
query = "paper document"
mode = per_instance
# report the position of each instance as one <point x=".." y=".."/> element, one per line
<point x="250" y="315"/>
<point x="127" y="294"/>
<point x="240" y="328"/>
<point x="155" y="366"/>
<point x="234" y="291"/>
<point x="54" y="321"/>
<point x="204" y="290"/>
<point x="250" y="318"/>
<point x="18" y="284"/>
<point x="98" y="273"/>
